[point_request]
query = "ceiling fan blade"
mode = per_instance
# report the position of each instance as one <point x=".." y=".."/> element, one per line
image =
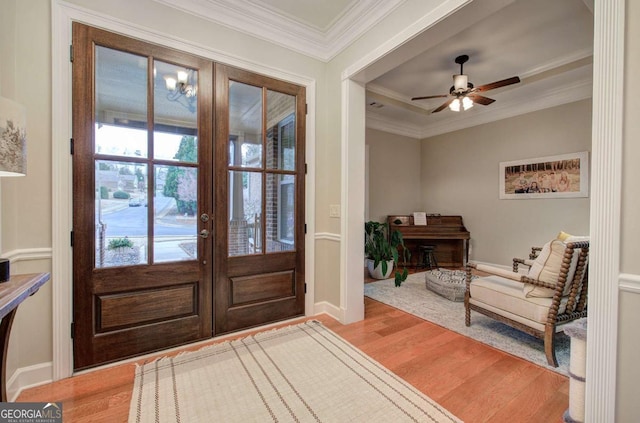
<point x="498" y="84"/>
<point x="485" y="101"/>
<point x="430" y="96"/>
<point x="443" y="106"/>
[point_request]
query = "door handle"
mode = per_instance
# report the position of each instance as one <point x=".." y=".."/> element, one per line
<point x="204" y="233"/>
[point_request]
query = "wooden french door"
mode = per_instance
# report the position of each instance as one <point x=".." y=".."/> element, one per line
<point x="180" y="232"/>
<point x="260" y="175"/>
<point x="142" y="192"/>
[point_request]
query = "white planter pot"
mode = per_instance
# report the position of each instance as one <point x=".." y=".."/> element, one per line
<point x="377" y="272"/>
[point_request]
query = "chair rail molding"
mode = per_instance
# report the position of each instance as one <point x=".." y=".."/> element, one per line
<point x="327" y="236"/>
<point x="28" y="254"/>
<point x="629" y="283"/>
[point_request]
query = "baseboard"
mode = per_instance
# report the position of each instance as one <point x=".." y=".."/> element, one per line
<point x="328" y="308"/>
<point x="28" y="377"/>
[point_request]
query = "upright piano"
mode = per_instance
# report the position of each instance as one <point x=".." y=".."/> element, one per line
<point x="446" y="233"/>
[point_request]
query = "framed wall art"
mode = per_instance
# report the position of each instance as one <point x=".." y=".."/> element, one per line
<point x="563" y="176"/>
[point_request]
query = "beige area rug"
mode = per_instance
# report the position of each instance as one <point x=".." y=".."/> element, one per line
<point x="302" y="373"/>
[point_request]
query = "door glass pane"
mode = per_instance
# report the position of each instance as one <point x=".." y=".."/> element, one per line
<point x="280" y="209"/>
<point x="117" y="73"/>
<point x="121" y="224"/>
<point x="175" y="113"/>
<point x="245" y="211"/>
<point x="245" y="125"/>
<point x="175" y="207"/>
<point x="281" y="131"/>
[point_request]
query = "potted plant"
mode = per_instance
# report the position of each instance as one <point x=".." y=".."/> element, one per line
<point x="381" y="249"/>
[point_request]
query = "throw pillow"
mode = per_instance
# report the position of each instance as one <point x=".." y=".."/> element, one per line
<point x="546" y="268"/>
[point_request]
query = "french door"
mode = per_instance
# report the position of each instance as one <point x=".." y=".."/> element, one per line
<point x="170" y="205"/>
<point x="260" y="190"/>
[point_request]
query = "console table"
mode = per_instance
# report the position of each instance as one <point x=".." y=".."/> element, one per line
<point x="12" y="294"/>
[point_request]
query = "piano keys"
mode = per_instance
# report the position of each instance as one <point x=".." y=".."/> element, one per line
<point x="446" y="233"/>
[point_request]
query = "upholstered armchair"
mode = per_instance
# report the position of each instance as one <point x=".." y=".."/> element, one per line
<point x="540" y="302"/>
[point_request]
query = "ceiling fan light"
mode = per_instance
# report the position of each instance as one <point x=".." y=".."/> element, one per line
<point x="455" y="105"/>
<point x="460" y="82"/>
<point x="467" y="103"/>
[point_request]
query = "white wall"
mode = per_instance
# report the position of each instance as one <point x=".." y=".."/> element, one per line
<point x="460" y="177"/>
<point x="394" y="174"/>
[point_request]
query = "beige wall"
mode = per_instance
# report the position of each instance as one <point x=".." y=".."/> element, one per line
<point x="25" y="48"/>
<point x="394" y="174"/>
<point x="628" y="406"/>
<point x="460" y="177"/>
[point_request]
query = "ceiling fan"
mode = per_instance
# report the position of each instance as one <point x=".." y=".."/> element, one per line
<point x="463" y="94"/>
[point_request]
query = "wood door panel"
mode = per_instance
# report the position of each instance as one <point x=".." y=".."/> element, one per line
<point x="122" y="310"/>
<point x="252" y="315"/>
<point x="262" y="287"/>
<point x="127" y="343"/>
<point x="140" y="277"/>
<point x="248" y="265"/>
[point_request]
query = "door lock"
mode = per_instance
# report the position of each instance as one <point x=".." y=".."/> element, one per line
<point x="204" y="233"/>
<point x="204" y="217"/>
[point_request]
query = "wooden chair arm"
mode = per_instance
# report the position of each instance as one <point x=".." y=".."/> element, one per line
<point x="534" y="252"/>
<point x="536" y="282"/>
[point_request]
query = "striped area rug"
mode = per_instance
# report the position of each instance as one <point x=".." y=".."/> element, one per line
<point x="302" y="373"/>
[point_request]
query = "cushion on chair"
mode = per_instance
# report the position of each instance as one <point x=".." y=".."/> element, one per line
<point x="546" y="268"/>
<point x="507" y="295"/>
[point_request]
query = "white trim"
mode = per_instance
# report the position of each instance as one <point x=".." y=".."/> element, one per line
<point x="328" y="236"/>
<point x="437" y="14"/>
<point x="27" y="254"/>
<point x="266" y="23"/>
<point x="352" y="205"/>
<point x="629" y="283"/>
<point x="393" y="126"/>
<point x="28" y="377"/>
<point x="325" y="307"/>
<point x="606" y="177"/>
<point x="63" y="14"/>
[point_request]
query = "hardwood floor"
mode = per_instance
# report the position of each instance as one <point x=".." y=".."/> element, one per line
<point x="475" y="382"/>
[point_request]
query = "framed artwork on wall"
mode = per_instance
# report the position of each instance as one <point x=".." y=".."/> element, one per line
<point x="562" y="176"/>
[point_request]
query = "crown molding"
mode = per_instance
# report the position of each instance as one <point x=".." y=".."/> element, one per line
<point x="569" y="94"/>
<point x="263" y="22"/>
<point x="385" y="124"/>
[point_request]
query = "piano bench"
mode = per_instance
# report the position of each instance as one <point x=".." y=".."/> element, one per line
<point x="427" y="258"/>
